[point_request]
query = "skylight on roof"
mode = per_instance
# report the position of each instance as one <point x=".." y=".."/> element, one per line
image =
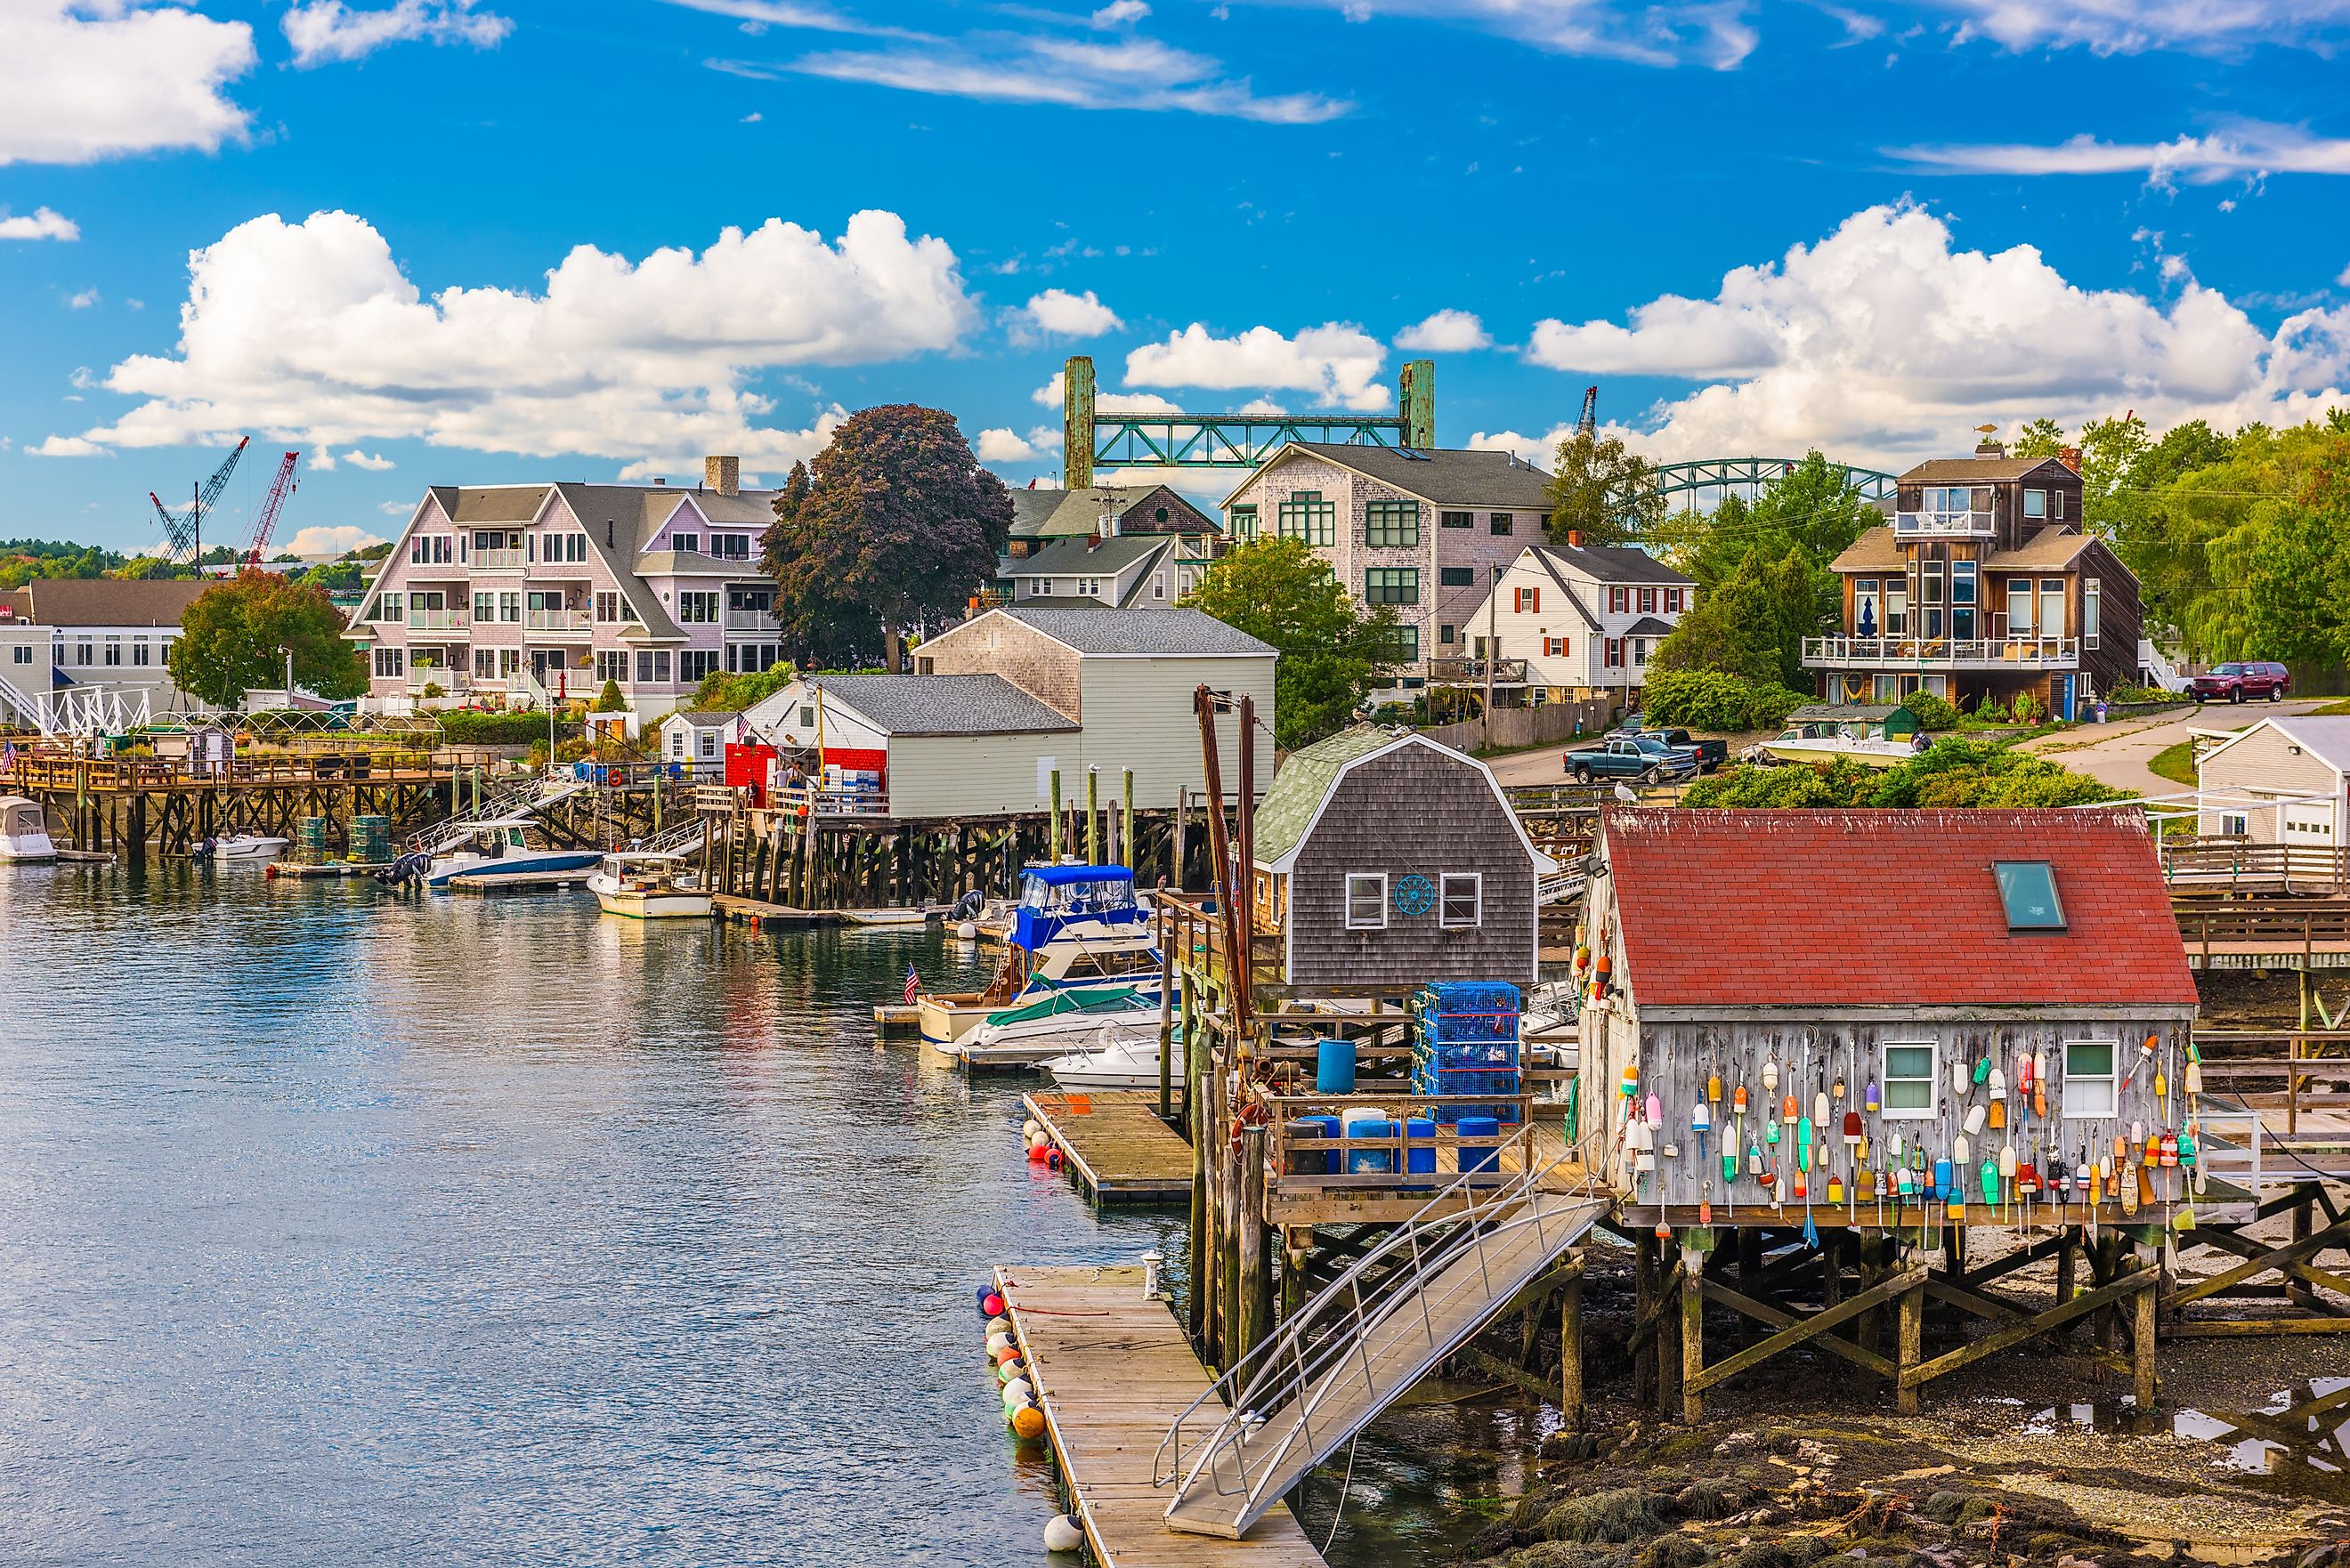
<point x="2028" y="889"/>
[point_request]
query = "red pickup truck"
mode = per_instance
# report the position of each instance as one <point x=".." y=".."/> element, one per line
<point x="2236" y="682"/>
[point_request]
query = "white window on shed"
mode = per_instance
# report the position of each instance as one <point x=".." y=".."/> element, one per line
<point x="1462" y="899"/>
<point x="1909" y="1093"/>
<point x="676" y="745"/>
<point x="2091" y="1084"/>
<point x="709" y="743"/>
<point x="1367" y="901"/>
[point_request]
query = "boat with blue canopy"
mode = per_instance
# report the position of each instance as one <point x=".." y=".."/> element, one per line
<point x="1073" y="928"/>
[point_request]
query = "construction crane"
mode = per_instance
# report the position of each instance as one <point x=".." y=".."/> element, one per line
<point x="1588" y="424"/>
<point x="279" y="489"/>
<point x="185" y="530"/>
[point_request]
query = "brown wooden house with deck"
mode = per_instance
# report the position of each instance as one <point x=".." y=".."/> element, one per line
<point x="1983" y="585"/>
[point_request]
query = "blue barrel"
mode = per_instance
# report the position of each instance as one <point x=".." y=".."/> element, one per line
<point x="1480" y="1156"/>
<point x="1420" y="1151"/>
<point x="1334" y="1067"/>
<point x="1307" y="1161"/>
<point x="1361" y="1161"/>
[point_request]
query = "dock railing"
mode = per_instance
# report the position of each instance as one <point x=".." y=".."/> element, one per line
<point x="2278" y="1069"/>
<point x="2224" y="865"/>
<point x="2282" y="928"/>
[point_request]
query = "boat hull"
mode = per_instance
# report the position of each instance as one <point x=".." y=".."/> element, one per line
<point x="654" y="905"/>
<point x="247" y="848"/>
<point x="28" y="846"/>
<point x="1036" y="1041"/>
<point x="1828" y="752"/>
<point x="517" y="870"/>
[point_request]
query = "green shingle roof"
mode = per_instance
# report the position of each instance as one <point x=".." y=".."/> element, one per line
<point x="1298" y="789"/>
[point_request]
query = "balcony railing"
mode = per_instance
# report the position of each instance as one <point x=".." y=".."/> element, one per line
<point x="566" y="622"/>
<point x="1942" y="524"/>
<point x="1471" y="671"/>
<point x="450" y="680"/>
<point x="499" y="560"/>
<point x="439" y="619"/>
<point x="1942" y="652"/>
<point x="752" y="620"/>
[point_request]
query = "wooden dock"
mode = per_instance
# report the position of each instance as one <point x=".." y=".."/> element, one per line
<point x="760" y="913"/>
<point x="1117" y="1146"/>
<point x="1112" y="1369"/>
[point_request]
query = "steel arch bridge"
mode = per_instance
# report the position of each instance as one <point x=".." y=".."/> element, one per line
<point x="1750" y="476"/>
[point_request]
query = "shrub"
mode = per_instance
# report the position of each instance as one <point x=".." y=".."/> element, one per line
<point x="609" y="700"/>
<point x="1711" y="699"/>
<point x="476" y="727"/>
<point x="2143" y="694"/>
<point x="1792" y="787"/>
<point x="2026" y="711"/>
<point x="1990" y="712"/>
<point x="1933" y="712"/>
<point x="434" y="689"/>
<point x="1954" y="772"/>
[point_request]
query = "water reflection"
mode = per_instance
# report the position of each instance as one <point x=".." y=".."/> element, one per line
<point x="2297" y="1439"/>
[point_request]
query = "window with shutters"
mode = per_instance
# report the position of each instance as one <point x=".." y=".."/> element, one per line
<point x="1619" y="601"/>
<point x="1529" y="601"/>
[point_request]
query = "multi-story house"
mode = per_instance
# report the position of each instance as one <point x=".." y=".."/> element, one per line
<point x="1983" y="585"/>
<point x="1569" y="622"/>
<point x="1427" y="531"/>
<point x="555" y="588"/>
<point x="95" y="646"/>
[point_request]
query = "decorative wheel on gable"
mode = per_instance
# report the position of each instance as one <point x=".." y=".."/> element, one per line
<point x="1414" y="895"/>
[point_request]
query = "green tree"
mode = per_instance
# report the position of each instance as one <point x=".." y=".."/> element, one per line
<point x="1333" y="651"/>
<point x="608" y="700"/>
<point x="898" y="527"/>
<point x="1754" y="622"/>
<point x="2044" y="437"/>
<point x="233" y="637"/>
<point x="721" y="692"/>
<point x="1602" y="490"/>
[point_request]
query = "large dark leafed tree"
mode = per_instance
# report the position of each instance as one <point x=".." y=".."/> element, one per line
<point x="1600" y="490"/>
<point x="892" y="531"/>
<point x="235" y="636"/>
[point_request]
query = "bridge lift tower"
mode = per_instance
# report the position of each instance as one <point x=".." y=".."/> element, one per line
<point x="1226" y="440"/>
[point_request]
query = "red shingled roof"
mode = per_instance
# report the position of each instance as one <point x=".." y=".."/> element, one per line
<point x="1844" y="909"/>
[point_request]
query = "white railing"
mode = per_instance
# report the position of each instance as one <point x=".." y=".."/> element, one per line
<point x="1944" y="652"/>
<point x="435" y="675"/>
<point x="559" y="620"/>
<point x="439" y="619"/>
<point x="499" y="560"/>
<point x="752" y="620"/>
<point x="1917" y="525"/>
<point x="2165" y="675"/>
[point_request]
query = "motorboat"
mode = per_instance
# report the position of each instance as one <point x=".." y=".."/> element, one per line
<point x="498" y="854"/>
<point x="1051" y="1020"/>
<point x="263" y="846"/>
<point x="648" y="887"/>
<point x="1877" y="737"/>
<point x="23" y="830"/>
<point x="1112" y="1060"/>
<point x="1072" y="925"/>
<point x="884" y="919"/>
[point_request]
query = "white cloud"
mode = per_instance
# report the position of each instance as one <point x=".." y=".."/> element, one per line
<point x="1336" y="363"/>
<point x="1119" y="12"/>
<point x="42" y="223"/>
<point x="82" y="300"/>
<point x="1000" y="445"/>
<point x="2133" y="26"/>
<point x="1051" y="395"/>
<point x="311" y="332"/>
<point x="66" y="446"/>
<point x="324" y="31"/>
<point x="85" y="80"/>
<point x="359" y="459"/>
<point x="338" y="540"/>
<point x="1262" y="408"/>
<point x="753" y="117"/>
<point x="1883" y="341"/>
<point x="2342" y="279"/>
<point x="1536" y="450"/>
<point x="1446" y="332"/>
<point x="396" y="508"/>
<point x="1706" y="32"/>
<point x="1061" y="314"/>
<point x="2243" y="147"/>
<point x="322" y="461"/>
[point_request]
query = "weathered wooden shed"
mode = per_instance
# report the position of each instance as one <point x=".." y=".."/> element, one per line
<point x="1387" y="860"/>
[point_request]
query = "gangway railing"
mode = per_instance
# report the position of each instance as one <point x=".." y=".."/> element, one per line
<point x="521" y="800"/>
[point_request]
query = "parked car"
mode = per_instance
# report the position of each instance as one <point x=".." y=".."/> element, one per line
<point x="1643" y="757"/>
<point x="1711" y="754"/>
<point x="2236" y="682"/>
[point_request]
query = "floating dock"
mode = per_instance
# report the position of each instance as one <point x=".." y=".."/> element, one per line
<point x="1112" y="1370"/>
<point x="759" y="912"/>
<point x="305" y="870"/>
<point x="1117" y="1146"/>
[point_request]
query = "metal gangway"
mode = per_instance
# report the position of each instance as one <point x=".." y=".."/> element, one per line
<point x="1402" y="1307"/>
<point x="682" y="840"/>
<point x="521" y="800"/>
<point x="81" y="711"/>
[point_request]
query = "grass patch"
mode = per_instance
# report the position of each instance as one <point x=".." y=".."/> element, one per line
<point x="2176" y="763"/>
<point x="2334" y="709"/>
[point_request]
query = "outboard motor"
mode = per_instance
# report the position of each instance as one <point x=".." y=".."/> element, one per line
<point x="968" y="907"/>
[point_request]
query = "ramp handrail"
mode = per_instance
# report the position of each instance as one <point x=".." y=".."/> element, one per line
<point x="1298" y="1365"/>
<point x="682" y="839"/>
<point x="518" y="801"/>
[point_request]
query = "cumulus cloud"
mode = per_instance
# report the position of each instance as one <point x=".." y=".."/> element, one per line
<point x="1004" y="445"/>
<point x="1883" y="340"/>
<point x="1336" y="363"/>
<point x="82" y="300"/>
<point x="1119" y="12"/>
<point x="338" y="540"/>
<point x="2244" y="148"/>
<point x="1060" y="314"/>
<point x="85" y="80"/>
<point x="41" y="223"/>
<point x="66" y="446"/>
<point x="359" y="459"/>
<point x="1051" y="394"/>
<point x="1446" y="332"/>
<point x="2133" y="26"/>
<point x="311" y="332"/>
<point x="324" y="31"/>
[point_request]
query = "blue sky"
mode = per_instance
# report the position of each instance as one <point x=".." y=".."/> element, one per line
<point x="431" y="242"/>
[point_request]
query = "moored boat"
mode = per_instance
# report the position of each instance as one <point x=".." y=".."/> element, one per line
<point x="1073" y="925"/>
<point x="499" y="853"/>
<point x="1112" y="1060"/>
<point x="1876" y="737"/>
<point x="1048" y="1021"/>
<point x="261" y="847"/>
<point x="648" y="886"/>
<point x="24" y="831"/>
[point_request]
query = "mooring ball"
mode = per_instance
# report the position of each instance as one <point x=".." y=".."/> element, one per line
<point x="1008" y="1353"/>
<point x="1062" y="1534"/>
<point x="968" y="931"/>
<point x="1036" y="1152"/>
<point x="1037" y="1139"/>
<point x="992" y="1304"/>
<point x="1031" y="1128"/>
<point x="1027" y="1422"/>
<point x="996" y="1340"/>
<point x="1017" y="1392"/>
<point x="999" y="1325"/>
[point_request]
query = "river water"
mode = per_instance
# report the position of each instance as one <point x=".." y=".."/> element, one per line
<point x="342" y="1227"/>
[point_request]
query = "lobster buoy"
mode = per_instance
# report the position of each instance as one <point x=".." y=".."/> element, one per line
<point x="1028" y="1422"/>
<point x="1053" y="1158"/>
<point x="1062" y="1534"/>
<point x="1017" y="1392"/>
<point x="992" y="1304"/>
<point x="1010" y="1353"/>
<point x="996" y="1340"/>
<point x="999" y="1325"/>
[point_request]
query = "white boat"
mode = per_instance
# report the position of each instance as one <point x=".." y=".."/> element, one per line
<point x="247" y="847"/>
<point x="1877" y="737"/>
<point x="1111" y="1060"/>
<point x="1072" y="925"/>
<point x="1051" y="1024"/>
<point x="24" y="831"/>
<point x="499" y="854"/>
<point x="886" y="917"/>
<point x="648" y="886"/>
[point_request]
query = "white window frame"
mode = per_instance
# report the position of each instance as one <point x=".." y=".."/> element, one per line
<point x="2092" y="610"/>
<point x="2030" y="511"/>
<point x="1476" y="881"/>
<point x="2112" y="1079"/>
<point x="1933" y="1048"/>
<point x="1379" y="878"/>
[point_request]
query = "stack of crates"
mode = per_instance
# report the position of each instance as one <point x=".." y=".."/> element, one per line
<point x="1465" y="1041"/>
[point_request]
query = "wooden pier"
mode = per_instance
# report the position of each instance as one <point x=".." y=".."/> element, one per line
<point x="1112" y="1369"/>
<point x="765" y="915"/>
<point x="1116" y="1144"/>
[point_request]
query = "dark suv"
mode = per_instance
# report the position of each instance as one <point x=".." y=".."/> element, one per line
<point x="2235" y="682"/>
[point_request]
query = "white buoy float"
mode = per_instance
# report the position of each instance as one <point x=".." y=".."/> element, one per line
<point x="1017" y="1392"/>
<point x="997" y="1341"/>
<point x="1062" y="1534"/>
<point x="1031" y="1128"/>
<point x="968" y="931"/>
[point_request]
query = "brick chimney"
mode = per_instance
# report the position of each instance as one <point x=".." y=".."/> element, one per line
<point x="722" y="474"/>
<point x="2070" y="456"/>
<point x="1575" y="538"/>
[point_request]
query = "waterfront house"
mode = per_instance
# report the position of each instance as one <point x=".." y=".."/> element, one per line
<point x="82" y="637"/>
<point x="913" y="746"/>
<point x="1386" y="860"/>
<point x="1569" y="622"/>
<point x="1427" y="531"/>
<point x="1125" y="680"/>
<point x="546" y="591"/>
<point x="1124" y="571"/>
<point x="696" y="739"/>
<point x="1983" y="587"/>
<point x="1761" y="949"/>
<point x="2282" y="781"/>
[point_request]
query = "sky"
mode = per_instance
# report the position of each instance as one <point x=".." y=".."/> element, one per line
<point x="483" y="241"/>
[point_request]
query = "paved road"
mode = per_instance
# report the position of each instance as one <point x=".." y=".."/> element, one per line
<point x="2117" y="754"/>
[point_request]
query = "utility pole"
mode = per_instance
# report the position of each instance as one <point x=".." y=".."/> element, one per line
<point x="1493" y="650"/>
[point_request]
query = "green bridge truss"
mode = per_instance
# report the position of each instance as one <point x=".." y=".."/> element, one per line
<point x="1750" y="476"/>
<point x="1091" y="438"/>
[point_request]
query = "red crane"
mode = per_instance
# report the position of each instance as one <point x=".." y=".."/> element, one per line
<point x="279" y="489"/>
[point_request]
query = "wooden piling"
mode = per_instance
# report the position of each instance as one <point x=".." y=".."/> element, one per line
<point x="1253" y="1276"/>
<point x="1909" y="1346"/>
<point x="1692" y="1335"/>
<point x="1570" y="1351"/>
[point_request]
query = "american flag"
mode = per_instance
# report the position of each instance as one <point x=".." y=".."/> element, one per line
<point x="741" y="730"/>
<point x="913" y="985"/>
